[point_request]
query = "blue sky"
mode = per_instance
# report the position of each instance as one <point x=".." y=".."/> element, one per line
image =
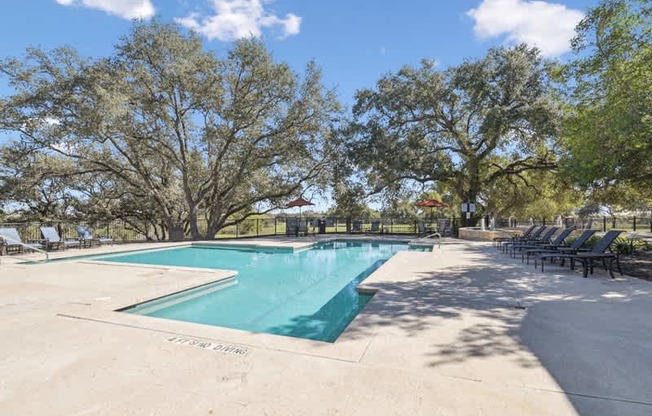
<point x="353" y="41"/>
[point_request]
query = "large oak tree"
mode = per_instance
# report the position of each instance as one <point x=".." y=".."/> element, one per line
<point x="468" y="126"/>
<point x="193" y="135"/>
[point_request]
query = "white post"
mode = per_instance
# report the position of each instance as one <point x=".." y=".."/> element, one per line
<point x="482" y="227"/>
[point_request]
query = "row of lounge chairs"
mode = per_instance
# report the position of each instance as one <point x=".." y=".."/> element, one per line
<point x="548" y="243"/>
<point x="10" y="240"/>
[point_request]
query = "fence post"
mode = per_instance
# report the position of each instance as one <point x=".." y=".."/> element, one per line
<point x="275" y="224"/>
<point x="634" y="224"/>
<point x="237" y="230"/>
<point x="604" y="224"/>
<point x="613" y="222"/>
<point x="257" y="226"/>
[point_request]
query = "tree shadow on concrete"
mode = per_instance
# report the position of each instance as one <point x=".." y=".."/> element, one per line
<point x="594" y="336"/>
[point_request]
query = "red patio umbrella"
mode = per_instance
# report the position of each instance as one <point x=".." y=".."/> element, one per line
<point x="431" y="203"/>
<point x="300" y="202"/>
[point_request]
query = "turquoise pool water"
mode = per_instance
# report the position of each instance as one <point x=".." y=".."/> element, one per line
<point x="307" y="294"/>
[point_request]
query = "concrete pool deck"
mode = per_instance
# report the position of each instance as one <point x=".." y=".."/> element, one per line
<point x="462" y="330"/>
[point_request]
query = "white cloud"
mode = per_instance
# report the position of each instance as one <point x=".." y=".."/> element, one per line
<point x="127" y="9"/>
<point x="234" y="19"/>
<point x="549" y="26"/>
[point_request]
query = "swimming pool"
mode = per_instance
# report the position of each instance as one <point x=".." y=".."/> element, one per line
<point x="307" y="294"/>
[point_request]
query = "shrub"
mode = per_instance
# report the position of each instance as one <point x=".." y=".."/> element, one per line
<point x="626" y="245"/>
<point x="591" y="242"/>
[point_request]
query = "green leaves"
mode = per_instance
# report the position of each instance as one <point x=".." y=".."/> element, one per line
<point x="421" y="125"/>
<point x="188" y="133"/>
<point x="608" y="134"/>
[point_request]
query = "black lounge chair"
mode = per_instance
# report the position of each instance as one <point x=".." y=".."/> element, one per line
<point x="546" y="238"/>
<point x="499" y="240"/>
<point x="559" y="241"/>
<point x="534" y="230"/>
<point x="356" y="226"/>
<point x="576" y="246"/>
<point x="587" y="258"/>
<point x="534" y="236"/>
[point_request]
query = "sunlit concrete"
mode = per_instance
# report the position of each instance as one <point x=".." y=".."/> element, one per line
<point x="461" y="330"/>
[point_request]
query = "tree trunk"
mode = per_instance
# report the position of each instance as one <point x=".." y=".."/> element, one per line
<point x="472" y="194"/>
<point x="194" y="227"/>
<point x="472" y="219"/>
<point x="212" y="231"/>
<point x="175" y="230"/>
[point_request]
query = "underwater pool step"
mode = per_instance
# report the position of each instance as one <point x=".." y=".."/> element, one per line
<point x="151" y="306"/>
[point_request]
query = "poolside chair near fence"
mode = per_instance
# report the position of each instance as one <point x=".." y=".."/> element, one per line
<point x="292" y="226"/>
<point x="421" y="228"/>
<point x="87" y="239"/>
<point x="423" y="231"/>
<point x="356" y="226"/>
<point x="302" y="228"/>
<point x="587" y="258"/>
<point x="375" y="227"/>
<point x="53" y="239"/>
<point x="444" y="227"/>
<point x="314" y="225"/>
<point x="10" y="241"/>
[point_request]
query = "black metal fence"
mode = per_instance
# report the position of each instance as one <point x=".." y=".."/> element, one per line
<point x="133" y="231"/>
